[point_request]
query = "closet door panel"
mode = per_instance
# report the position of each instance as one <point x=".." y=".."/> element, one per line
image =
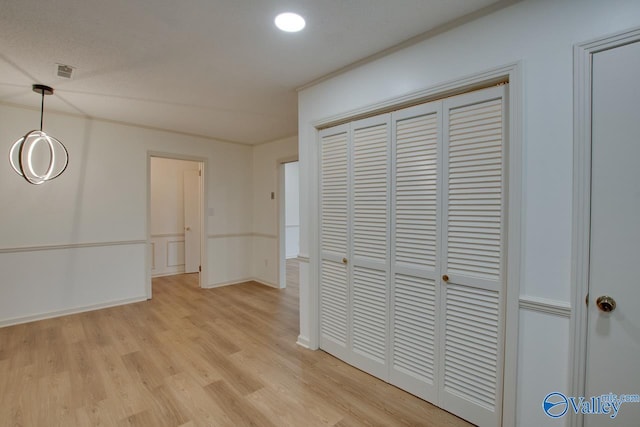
<point x="415" y="249"/>
<point x="473" y="240"/>
<point x="370" y="201"/>
<point x="334" y="241"/>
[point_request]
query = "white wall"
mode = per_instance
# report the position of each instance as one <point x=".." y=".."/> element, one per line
<point x="541" y="35"/>
<point x="266" y="161"/>
<point x="167" y="214"/>
<point x="79" y="241"/>
<point x="292" y="209"/>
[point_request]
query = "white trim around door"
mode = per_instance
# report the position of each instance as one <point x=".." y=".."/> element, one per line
<point x="204" y="172"/>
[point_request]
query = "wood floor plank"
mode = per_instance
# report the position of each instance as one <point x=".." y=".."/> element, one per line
<point x="17" y="388"/>
<point x="97" y="414"/>
<point x="237" y="408"/>
<point x="21" y="345"/>
<point x="55" y="399"/>
<point x="143" y="370"/>
<point x="126" y="393"/>
<point x="51" y="351"/>
<point x="145" y="418"/>
<point x="280" y="407"/>
<point x="72" y="330"/>
<point x="166" y="408"/>
<point x="123" y="333"/>
<point x="93" y="325"/>
<point x="287" y="380"/>
<point x="224" y="345"/>
<point x="192" y="357"/>
<point x="242" y="380"/>
<point x="86" y="383"/>
<point x="201" y="408"/>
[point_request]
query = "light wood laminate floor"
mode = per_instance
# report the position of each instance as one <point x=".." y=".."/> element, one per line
<point x="192" y="357"/>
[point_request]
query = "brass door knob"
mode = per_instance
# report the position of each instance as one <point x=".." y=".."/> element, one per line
<point x="606" y="303"/>
<point x="344" y="260"/>
<point x="445" y="278"/>
<point x="188" y="228"/>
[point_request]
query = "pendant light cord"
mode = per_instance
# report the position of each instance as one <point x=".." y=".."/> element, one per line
<point x="41" y="109"/>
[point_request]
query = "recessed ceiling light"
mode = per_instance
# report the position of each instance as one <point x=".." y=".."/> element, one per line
<point x="290" y="22"/>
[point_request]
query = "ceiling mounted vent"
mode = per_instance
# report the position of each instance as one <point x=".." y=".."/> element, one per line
<point x="64" y="71"/>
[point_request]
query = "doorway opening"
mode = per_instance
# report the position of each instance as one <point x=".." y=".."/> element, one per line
<point x="176" y="228"/>
<point x="289" y="220"/>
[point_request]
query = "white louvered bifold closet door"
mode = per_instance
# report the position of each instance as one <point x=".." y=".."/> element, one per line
<point x="415" y="270"/>
<point x="412" y="243"/>
<point x="334" y="241"/>
<point x="471" y="345"/>
<point x="370" y="157"/>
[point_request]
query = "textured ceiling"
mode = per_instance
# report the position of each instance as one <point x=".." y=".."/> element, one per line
<point x="216" y="68"/>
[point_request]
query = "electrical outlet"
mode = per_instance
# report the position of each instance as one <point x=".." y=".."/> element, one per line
<point x="266" y="262"/>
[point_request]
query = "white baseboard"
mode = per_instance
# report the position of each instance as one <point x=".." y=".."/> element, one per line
<point x="221" y="284"/>
<point x="264" y="282"/>
<point x="167" y="273"/>
<point x="303" y="342"/>
<point x="66" y="312"/>
<point x="239" y="281"/>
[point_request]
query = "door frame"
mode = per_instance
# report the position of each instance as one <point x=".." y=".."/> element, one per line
<point x="511" y="73"/>
<point x="203" y="276"/>
<point x="282" y="229"/>
<point x="582" y="91"/>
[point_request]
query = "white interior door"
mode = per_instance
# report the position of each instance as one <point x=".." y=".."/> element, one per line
<point x="192" y="221"/>
<point x="613" y="339"/>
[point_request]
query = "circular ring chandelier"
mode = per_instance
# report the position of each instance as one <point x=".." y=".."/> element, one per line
<point x="24" y="150"/>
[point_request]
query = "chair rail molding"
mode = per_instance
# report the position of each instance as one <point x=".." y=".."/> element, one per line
<point x="70" y="246"/>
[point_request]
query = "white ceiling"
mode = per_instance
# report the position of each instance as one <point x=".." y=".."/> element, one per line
<point x="216" y="68"/>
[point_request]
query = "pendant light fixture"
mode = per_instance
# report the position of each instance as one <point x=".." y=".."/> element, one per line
<point x="24" y="153"/>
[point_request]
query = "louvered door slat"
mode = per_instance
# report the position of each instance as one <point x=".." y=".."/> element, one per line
<point x="484" y="116"/>
<point x="414" y="326"/>
<point x="415" y="179"/>
<point x="415" y="246"/>
<point x="370" y="192"/>
<point x="470" y="344"/>
<point x="334" y="193"/>
<point x="334" y="240"/>
<point x="370" y="228"/>
<point x="477" y="351"/>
